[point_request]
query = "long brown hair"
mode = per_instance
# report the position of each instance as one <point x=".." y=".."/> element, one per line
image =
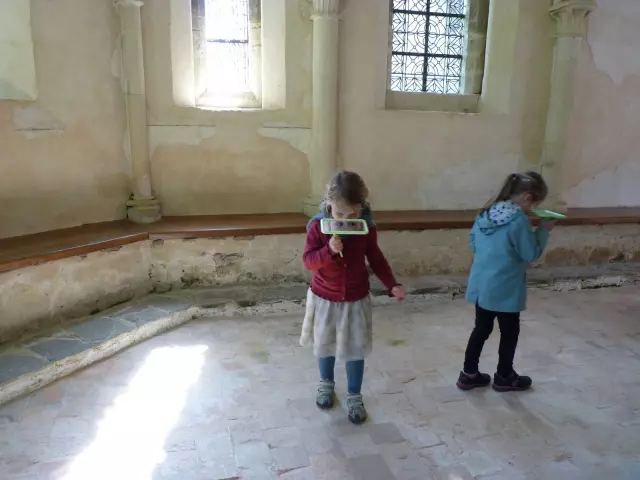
<point x="518" y="184"/>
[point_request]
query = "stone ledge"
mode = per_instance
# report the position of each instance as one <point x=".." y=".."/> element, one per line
<point x="34" y="362"/>
<point x="36" y="297"/>
<point x="29" y="250"/>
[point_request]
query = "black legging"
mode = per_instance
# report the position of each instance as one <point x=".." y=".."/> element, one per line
<point x="509" y="331"/>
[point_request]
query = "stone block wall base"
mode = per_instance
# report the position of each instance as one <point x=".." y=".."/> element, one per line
<point x="39" y="296"/>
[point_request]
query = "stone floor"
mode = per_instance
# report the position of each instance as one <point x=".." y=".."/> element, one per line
<point x="233" y="398"/>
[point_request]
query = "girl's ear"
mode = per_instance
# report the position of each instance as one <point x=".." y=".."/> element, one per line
<point x="527" y="197"/>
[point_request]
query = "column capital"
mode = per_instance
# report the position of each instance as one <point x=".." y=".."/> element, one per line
<point x="128" y="3"/>
<point x="571" y="16"/>
<point x="325" y="8"/>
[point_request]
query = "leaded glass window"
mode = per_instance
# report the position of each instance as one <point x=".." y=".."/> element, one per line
<point x="427" y="46"/>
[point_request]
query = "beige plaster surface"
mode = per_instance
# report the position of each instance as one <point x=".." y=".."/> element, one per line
<point x="236" y="167"/>
<point x="603" y="164"/>
<point x="62" y="160"/>
<point x="437" y="160"/>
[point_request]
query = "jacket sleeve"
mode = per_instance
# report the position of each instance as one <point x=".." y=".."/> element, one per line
<point x="472" y="238"/>
<point x="529" y="245"/>
<point x="377" y="262"/>
<point x="316" y="253"/>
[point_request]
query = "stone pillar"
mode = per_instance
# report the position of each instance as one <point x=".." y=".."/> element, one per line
<point x="324" y="124"/>
<point x="143" y="207"/>
<point x="570" y="18"/>
<point x="475" y="45"/>
<point x="255" y="43"/>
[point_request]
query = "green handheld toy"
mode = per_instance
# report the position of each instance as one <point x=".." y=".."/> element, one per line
<point x="548" y="214"/>
<point x="343" y="227"/>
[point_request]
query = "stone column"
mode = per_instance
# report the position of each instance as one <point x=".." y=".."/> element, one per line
<point x="570" y="18"/>
<point x="143" y="207"/>
<point x="324" y="124"/>
<point x="475" y="45"/>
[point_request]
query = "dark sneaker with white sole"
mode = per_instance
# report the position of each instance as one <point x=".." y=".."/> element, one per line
<point x="469" y="382"/>
<point x="325" y="396"/>
<point x="355" y="407"/>
<point x="512" y="383"/>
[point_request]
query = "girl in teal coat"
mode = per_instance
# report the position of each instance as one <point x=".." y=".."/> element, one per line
<point x="503" y="244"/>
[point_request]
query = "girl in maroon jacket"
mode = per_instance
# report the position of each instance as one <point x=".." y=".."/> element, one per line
<point x="338" y="316"/>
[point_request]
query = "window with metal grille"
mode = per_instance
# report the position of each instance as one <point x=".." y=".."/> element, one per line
<point x="427" y="46"/>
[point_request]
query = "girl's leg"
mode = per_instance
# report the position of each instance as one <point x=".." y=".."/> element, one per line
<point x="480" y="334"/>
<point x="324" y="398"/>
<point x="470" y="377"/>
<point x="506" y="379"/>
<point x="326" y="366"/>
<point x="355" y="373"/>
<point x="509" y="332"/>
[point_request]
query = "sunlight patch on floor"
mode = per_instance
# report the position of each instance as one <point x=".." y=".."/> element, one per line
<point x="130" y="439"/>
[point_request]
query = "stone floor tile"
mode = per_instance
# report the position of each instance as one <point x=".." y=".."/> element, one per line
<point x="243" y="431"/>
<point x="179" y="463"/>
<point x="290" y="458"/>
<point x="145" y="316"/>
<point x="299" y="474"/>
<point x="250" y="413"/>
<point x="453" y="473"/>
<point x="405" y="462"/>
<point x="331" y="467"/>
<point x="371" y="467"/>
<point x="253" y="455"/>
<point x="99" y="329"/>
<point x="168" y="304"/>
<point x="357" y="445"/>
<point x="276" y="418"/>
<point x="13" y="364"/>
<point x="218" y="466"/>
<point x="385" y="433"/>
<point x="283" y="437"/>
<point x="479" y="463"/>
<point x="318" y="441"/>
<point x="54" y="349"/>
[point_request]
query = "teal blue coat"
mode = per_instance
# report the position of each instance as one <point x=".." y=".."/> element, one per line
<point x="503" y="244"/>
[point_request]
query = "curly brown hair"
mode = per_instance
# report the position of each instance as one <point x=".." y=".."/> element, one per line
<point x="348" y="187"/>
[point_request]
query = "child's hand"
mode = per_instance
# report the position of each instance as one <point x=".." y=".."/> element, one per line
<point x="335" y="245"/>
<point x="548" y="225"/>
<point x="398" y="292"/>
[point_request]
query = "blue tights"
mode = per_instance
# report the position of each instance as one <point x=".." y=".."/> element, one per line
<point x="355" y="372"/>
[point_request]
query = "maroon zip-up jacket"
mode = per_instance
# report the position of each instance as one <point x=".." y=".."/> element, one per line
<point x="345" y="279"/>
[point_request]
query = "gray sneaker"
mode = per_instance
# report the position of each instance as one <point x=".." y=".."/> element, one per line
<point x="324" y="399"/>
<point x="355" y="406"/>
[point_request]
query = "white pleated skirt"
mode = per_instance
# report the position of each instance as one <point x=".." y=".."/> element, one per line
<point x="338" y="329"/>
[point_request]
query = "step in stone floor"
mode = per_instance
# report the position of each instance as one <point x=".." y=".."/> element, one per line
<point x="33" y="362"/>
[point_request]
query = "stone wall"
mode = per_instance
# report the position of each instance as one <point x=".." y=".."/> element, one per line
<point x="65" y="157"/>
<point x="38" y="296"/>
<point x="603" y="167"/>
<point x="62" y="156"/>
